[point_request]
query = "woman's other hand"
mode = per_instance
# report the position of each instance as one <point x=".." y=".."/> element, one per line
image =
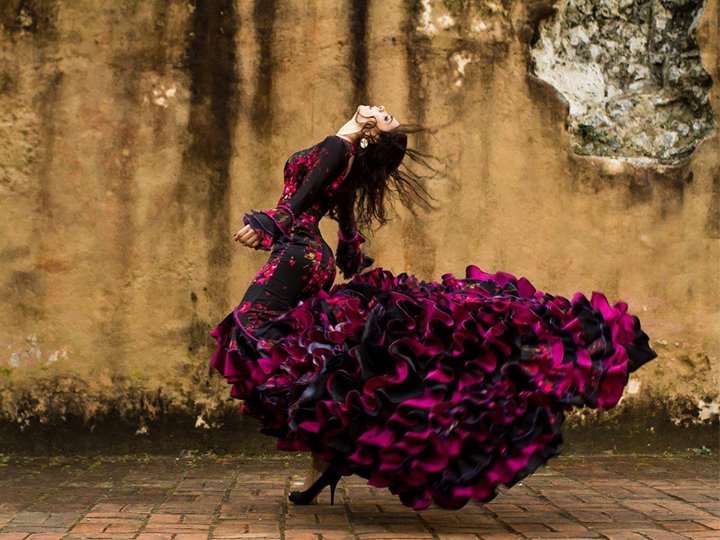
<point x="247" y="236"/>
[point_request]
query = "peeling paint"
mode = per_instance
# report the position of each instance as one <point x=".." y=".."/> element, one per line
<point x="33" y="352"/>
<point x="633" y="386"/>
<point x="708" y="410"/>
<point x="445" y="21"/>
<point x="426" y="25"/>
<point x="479" y="26"/>
<point x="461" y="59"/>
<point x="161" y="95"/>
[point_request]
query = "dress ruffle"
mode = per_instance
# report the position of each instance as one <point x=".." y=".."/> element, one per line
<point x="438" y="391"/>
<point x="349" y="256"/>
<point x="270" y="224"/>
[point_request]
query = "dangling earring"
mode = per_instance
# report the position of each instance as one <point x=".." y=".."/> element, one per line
<point x="364" y="142"/>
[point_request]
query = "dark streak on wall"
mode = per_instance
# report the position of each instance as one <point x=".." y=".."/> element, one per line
<point x="44" y="203"/>
<point x="261" y="111"/>
<point x="418" y="49"/>
<point x="159" y="51"/>
<point x="205" y="178"/>
<point x="47" y="108"/>
<point x="35" y="20"/>
<point x="37" y="17"/>
<point x="359" y="52"/>
<point x="119" y="170"/>
<point x="712" y="223"/>
<point x="45" y="39"/>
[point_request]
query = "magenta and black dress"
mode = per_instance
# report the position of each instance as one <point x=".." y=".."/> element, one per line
<point x="439" y="391"/>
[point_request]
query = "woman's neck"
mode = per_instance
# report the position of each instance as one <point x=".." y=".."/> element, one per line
<point x="351" y="131"/>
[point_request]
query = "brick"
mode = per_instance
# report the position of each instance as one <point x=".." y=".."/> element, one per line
<point x="567" y="527"/>
<point x="301" y="535"/>
<point x="89" y="528"/>
<point x="712" y="523"/>
<point x="337" y="535"/>
<point x="165" y="518"/>
<point x="684" y="526"/>
<point x="624" y="536"/>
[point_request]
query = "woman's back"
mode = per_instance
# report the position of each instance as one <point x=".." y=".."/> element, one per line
<point x="301" y="262"/>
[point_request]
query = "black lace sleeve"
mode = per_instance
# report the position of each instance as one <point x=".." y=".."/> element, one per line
<point x="272" y="224"/>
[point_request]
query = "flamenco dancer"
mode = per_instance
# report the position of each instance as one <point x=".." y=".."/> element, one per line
<point x="439" y="391"/>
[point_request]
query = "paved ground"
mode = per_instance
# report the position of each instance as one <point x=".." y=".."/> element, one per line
<point x="201" y="497"/>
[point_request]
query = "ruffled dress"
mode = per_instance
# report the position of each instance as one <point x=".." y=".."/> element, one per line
<point x="439" y="391"/>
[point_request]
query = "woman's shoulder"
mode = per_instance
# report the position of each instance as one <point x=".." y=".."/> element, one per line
<point x="337" y="142"/>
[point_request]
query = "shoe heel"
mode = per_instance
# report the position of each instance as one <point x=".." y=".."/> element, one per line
<point x="328" y="478"/>
<point x="332" y="492"/>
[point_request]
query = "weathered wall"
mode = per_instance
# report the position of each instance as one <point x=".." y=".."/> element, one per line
<point x="133" y="135"/>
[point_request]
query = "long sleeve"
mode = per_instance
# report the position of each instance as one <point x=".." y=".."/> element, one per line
<point x="349" y="256"/>
<point x="327" y="162"/>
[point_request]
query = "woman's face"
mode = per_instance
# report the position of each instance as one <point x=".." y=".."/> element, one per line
<point x="384" y="120"/>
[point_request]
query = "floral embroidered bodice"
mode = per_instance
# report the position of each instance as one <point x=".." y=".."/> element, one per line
<point x="312" y="179"/>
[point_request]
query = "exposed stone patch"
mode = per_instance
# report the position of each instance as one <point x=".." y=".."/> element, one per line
<point x="631" y="73"/>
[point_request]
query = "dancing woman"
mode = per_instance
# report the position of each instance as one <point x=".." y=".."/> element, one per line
<point x="439" y="391"/>
<point x="302" y="263"/>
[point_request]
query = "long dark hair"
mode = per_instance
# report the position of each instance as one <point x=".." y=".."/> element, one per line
<point x="382" y="167"/>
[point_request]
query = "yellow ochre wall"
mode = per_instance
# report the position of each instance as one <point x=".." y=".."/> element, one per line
<point x="134" y="135"/>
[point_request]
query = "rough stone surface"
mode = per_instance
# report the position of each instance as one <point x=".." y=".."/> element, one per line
<point x="631" y="72"/>
<point x="134" y="135"/>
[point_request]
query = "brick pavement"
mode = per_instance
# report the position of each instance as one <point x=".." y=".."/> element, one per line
<point x="206" y="496"/>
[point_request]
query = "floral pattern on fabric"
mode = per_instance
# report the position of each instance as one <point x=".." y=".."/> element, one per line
<point x="300" y="263"/>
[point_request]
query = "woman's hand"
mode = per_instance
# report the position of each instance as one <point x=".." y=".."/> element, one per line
<point x="247" y="236"/>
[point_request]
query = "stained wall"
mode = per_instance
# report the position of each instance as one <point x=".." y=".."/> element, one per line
<point x="134" y="135"/>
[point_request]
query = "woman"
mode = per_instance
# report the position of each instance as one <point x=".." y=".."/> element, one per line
<point x="439" y="391"/>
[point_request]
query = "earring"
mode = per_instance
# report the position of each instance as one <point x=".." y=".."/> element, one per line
<point x="364" y="142"/>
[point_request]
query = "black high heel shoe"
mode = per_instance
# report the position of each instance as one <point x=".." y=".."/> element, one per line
<point x="328" y="478"/>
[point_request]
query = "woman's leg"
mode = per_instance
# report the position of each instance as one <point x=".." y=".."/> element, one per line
<point x="317" y="467"/>
<point x="288" y="276"/>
